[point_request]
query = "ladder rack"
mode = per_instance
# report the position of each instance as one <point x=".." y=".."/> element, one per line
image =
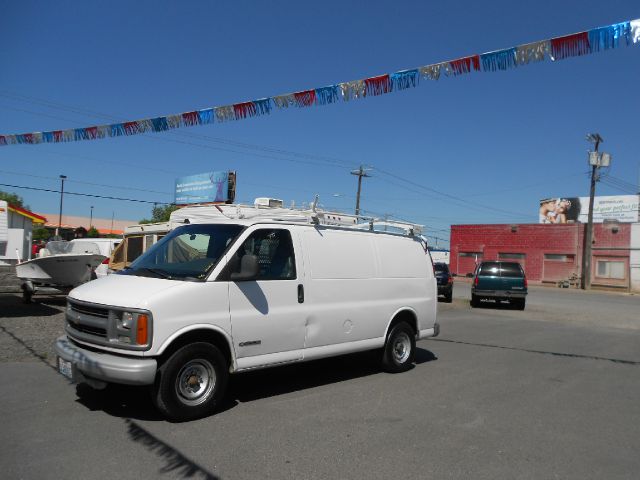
<point x="313" y="216"/>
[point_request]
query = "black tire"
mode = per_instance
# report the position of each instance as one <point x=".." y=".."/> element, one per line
<point x="399" y="349"/>
<point x="27" y="296"/>
<point x="204" y="374"/>
<point x="475" y="302"/>
<point x="448" y="297"/>
<point x="520" y="303"/>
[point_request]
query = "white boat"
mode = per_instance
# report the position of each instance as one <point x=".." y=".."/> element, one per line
<point x="61" y="265"/>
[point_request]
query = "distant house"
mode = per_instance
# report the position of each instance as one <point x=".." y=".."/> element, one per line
<point x="77" y="227"/>
<point x="16" y="233"/>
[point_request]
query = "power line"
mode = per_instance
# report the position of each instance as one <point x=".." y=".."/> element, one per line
<point x="85" y="194"/>
<point x="86" y="183"/>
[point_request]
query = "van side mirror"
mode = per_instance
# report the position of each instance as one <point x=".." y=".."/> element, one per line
<point x="249" y="269"/>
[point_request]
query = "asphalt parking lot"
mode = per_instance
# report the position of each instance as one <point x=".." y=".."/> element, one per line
<point x="551" y="392"/>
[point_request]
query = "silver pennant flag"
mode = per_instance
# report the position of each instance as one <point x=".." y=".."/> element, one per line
<point x="284" y="101"/>
<point x="174" y="121"/>
<point x="351" y="90"/>
<point x="532" y="52"/>
<point x="102" y="131"/>
<point x="144" y="126"/>
<point x="224" y="114"/>
<point x="37" y="137"/>
<point x="635" y="31"/>
<point x="431" y="72"/>
<point x="68" y="135"/>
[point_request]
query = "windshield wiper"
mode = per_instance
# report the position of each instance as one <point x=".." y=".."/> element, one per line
<point x="157" y="271"/>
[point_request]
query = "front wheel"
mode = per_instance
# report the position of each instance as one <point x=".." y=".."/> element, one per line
<point x="191" y="383"/>
<point x="399" y="349"/>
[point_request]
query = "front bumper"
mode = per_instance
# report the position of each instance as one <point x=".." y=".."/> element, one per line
<point x="106" y="367"/>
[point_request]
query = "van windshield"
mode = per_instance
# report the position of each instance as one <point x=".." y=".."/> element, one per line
<point x="187" y="253"/>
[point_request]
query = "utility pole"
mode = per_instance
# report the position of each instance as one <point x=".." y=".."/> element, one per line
<point x="62" y="179"/>
<point x="359" y="173"/>
<point x="596" y="161"/>
<point x="91" y="218"/>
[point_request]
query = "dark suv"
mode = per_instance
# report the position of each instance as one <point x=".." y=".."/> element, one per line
<point x="445" y="281"/>
<point x="499" y="281"/>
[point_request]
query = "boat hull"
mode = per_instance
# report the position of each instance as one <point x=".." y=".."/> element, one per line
<point x="60" y="270"/>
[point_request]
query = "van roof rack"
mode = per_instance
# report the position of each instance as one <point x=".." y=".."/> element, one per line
<point x="312" y="215"/>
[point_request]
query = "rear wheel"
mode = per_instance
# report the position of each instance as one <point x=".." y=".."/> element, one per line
<point x="191" y="383"/>
<point x="519" y="303"/>
<point x="475" y="302"/>
<point x="448" y="296"/>
<point x="399" y="349"/>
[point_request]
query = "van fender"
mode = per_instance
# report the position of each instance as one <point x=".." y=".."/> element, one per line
<point x="201" y="326"/>
<point x="401" y="311"/>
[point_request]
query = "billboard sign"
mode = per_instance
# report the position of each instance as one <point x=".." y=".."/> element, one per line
<point x="206" y="187"/>
<point x="623" y="208"/>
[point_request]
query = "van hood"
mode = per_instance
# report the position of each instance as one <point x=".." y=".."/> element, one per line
<point x="122" y="290"/>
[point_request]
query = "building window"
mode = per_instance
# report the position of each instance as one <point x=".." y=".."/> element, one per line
<point x="470" y="254"/>
<point x="511" y="256"/>
<point x="610" y="269"/>
<point x="558" y="257"/>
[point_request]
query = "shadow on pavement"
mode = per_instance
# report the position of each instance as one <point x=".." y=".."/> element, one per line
<point x="12" y="306"/>
<point x="177" y="465"/>
<point x="271" y="382"/>
<point x="135" y="402"/>
<point x="496" y="305"/>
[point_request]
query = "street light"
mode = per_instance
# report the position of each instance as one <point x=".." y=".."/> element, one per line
<point x="91" y="218"/>
<point x="62" y="179"/>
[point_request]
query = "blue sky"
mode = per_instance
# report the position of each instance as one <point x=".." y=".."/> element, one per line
<point x="495" y="142"/>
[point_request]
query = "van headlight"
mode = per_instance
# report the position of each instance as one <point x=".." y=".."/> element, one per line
<point x="133" y="328"/>
<point x="126" y="319"/>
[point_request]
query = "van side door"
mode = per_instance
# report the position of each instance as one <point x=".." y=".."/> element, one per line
<point x="267" y="314"/>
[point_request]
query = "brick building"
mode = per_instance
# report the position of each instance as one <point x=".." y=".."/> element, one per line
<point x="552" y="253"/>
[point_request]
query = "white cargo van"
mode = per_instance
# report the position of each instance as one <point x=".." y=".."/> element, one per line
<point x="236" y="289"/>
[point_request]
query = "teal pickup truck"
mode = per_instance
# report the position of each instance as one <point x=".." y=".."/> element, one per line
<point x="499" y="281"/>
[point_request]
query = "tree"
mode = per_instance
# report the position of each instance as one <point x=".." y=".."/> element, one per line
<point x="93" y="233"/>
<point x="13" y="199"/>
<point x="41" y="234"/>
<point x="160" y="214"/>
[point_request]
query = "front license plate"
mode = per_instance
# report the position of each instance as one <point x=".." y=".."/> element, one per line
<point x="65" y="368"/>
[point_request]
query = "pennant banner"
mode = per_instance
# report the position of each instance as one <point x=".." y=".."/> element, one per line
<point x="559" y="48"/>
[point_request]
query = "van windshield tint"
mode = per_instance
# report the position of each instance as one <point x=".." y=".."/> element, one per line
<point x="511" y="270"/>
<point x="187" y="253"/>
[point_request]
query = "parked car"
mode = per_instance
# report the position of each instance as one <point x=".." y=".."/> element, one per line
<point x="445" y="281"/>
<point x="237" y="290"/>
<point x="499" y="281"/>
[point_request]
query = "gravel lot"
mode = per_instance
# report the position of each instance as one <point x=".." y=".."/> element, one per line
<point x="29" y="330"/>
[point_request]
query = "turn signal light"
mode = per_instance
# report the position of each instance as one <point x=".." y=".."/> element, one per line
<point x="105" y="261"/>
<point x="142" y="329"/>
<point x="526" y="284"/>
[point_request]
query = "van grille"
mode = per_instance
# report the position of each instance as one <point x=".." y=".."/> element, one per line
<point x="93" y="311"/>
<point x="100" y="332"/>
<point x="85" y="319"/>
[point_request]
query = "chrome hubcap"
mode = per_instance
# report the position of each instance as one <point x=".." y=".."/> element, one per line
<point x="401" y="348"/>
<point x="196" y="381"/>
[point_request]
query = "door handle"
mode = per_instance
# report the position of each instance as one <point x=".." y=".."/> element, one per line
<point x="300" y="293"/>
